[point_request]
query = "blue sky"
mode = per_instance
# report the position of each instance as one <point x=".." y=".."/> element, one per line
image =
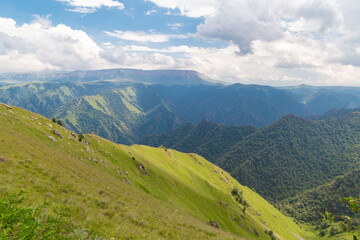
<point x="264" y="41"/>
<point x="137" y="15"/>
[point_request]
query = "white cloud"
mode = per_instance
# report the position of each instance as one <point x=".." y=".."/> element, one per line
<point x="290" y="61"/>
<point x="45" y="47"/>
<point x="190" y="8"/>
<point x="175" y="26"/>
<point x="151" y="12"/>
<point x="39" y="46"/>
<point x="113" y="54"/>
<point x="90" y="6"/>
<point x="143" y="36"/>
<point x="242" y="22"/>
<point x="281" y="42"/>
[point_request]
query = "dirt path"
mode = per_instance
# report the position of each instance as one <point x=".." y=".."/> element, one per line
<point x="300" y="238"/>
<point x="275" y="234"/>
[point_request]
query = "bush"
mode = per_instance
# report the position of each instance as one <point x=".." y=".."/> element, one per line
<point x="238" y="195"/>
<point x="59" y="122"/>
<point x="324" y="225"/>
<point x="81" y="137"/>
<point x="234" y="191"/>
<point x="333" y="231"/>
<point x="322" y="233"/>
<point x="270" y="233"/>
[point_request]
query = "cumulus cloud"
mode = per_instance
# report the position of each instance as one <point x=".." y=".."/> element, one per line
<point x="48" y="47"/>
<point x="113" y="54"/>
<point x="313" y="40"/>
<point x="143" y="36"/>
<point x="90" y="6"/>
<point x="40" y="46"/>
<point x="242" y="22"/>
<point x="289" y="61"/>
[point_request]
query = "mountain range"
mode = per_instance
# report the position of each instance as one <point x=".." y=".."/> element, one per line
<point x="125" y="105"/>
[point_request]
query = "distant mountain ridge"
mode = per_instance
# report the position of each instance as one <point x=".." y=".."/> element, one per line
<point x="165" y="77"/>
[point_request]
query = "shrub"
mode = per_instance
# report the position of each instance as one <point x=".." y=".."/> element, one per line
<point x="270" y="233"/>
<point x="324" y="225"/>
<point x="333" y="231"/>
<point x="322" y="233"/>
<point x="235" y="191"/>
<point x="81" y="137"/>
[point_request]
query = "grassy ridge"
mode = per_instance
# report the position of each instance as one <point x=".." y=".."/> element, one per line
<point x="135" y="192"/>
<point x="94" y="194"/>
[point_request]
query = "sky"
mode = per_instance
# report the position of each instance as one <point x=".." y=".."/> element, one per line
<point x="270" y="42"/>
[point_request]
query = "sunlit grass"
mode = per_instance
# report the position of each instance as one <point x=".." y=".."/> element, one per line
<point x="127" y="192"/>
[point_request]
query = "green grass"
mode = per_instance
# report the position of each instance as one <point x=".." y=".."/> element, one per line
<point x="19" y="222"/>
<point x="97" y="102"/>
<point x="102" y="189"/>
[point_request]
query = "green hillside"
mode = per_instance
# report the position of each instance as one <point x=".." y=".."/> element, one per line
<point x="308" y="205"/>
<point x="123" y="115"/>
<point x="127" y="192"/>
<point x="294" y="154"/>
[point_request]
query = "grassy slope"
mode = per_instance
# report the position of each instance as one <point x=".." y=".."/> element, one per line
<point x="111" y="197"/>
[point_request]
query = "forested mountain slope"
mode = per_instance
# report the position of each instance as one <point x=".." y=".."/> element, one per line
<point x="308" y="205"/>
<point x="295" y="154"/>
<point x="207" y="139"/>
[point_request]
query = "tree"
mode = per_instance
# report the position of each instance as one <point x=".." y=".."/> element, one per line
<point x="53" y="119"/>
<point x="59" y="122"/>
<point x="81" y="137"/>
<point x="351" y="225"/>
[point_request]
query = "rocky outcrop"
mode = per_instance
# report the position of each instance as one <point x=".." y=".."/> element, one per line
<point x="56" y="132"/>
